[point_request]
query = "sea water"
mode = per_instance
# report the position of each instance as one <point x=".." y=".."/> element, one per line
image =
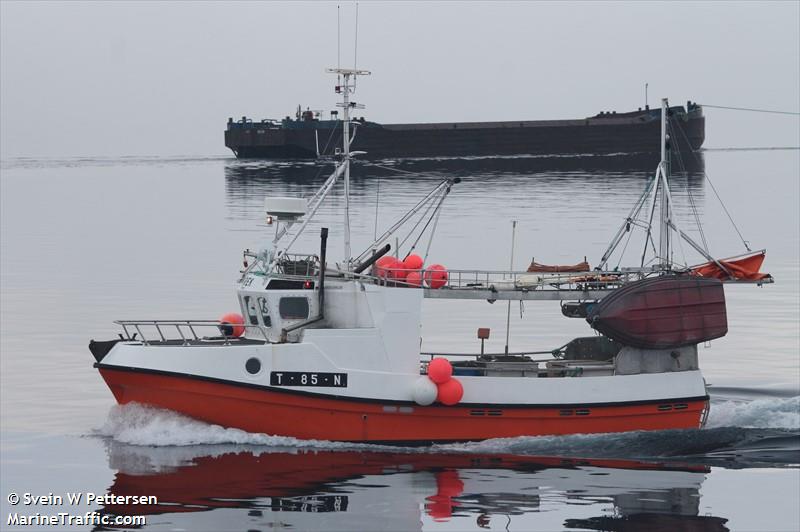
<point x="87" y="241"/>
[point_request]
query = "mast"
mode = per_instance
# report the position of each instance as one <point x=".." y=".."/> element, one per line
<point x="663" y="174"/>
<point x="345" y="89"/>
<point x="346" y="162"/>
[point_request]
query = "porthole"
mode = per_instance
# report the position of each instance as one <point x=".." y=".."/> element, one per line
<point x="253" y="366"/>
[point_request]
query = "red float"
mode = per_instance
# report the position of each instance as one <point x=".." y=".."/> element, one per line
<point x="414" y="278"/>
<point x="232" y="324"/>
<point x="450" y="392"/>
<point x="398" y="270"/>
<point x="413" y="262"/>
<point x="440" y="370"/>
<point x="436" y="276"/>
<point x="383" y="266"/>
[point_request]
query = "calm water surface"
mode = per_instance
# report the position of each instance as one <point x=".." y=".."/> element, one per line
<point x="87" y="241"/>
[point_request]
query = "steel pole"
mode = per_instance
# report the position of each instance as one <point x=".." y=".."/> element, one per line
<point x="346" y="142"/>
<point x="511" y="267"/>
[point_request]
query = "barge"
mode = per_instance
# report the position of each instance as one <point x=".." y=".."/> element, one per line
<point x="309" y="136"/>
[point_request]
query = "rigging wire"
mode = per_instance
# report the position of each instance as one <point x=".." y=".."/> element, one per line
<point x="635" y="220"/>
<point x="433" y="229"/>
<point x="632" y="215"/>
<point x="713" y="188"/>
<point x="409" y="173"/>
<point x="750" y="109"/>
<point x="649" y="237"/>
<point x="622" y="253"/>
<point x="435" y="213"/>
<point x="410" y="213"/>
<point x="411" y="232"/>
<point x="377" y="202"/>
<point x="679" y="159"/>
<point x="327" y="143"/>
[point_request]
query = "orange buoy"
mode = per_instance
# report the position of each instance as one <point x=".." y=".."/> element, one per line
<point x="232" y="324"/>
<point x="382" y="265"/>
<point x="397" y="270"/>
<point x="436" y="276"/>
<point x="413" y="262"/>
<point x="450" y="392"/>
<point x="440" y="370"/>
<point x="414" y="278"/>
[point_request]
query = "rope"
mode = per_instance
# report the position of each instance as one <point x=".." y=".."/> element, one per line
<point x="435" y="213"/>
<point x="724" y="208"/>
<point x="749" y="109"/>
<point x="429" y="197"/>
<point x="682" y="170"/>
<point x="407" y="172"/>
<point x="411" y="232"/>
<point x="649" y="236"/>
<point x="377" y="202"/>
<point x="433" y="230"/>
<point x="328" y="142"/>
<point x="679" y="159"/>
<point x="622" y="253"/>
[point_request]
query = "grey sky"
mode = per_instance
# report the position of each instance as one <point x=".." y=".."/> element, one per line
<point x="150" y="78"/>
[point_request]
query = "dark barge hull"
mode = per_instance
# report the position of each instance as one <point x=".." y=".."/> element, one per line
<point x="636" y="132"/>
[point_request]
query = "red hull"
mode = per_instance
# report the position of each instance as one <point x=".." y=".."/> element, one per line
<point x="314" y="417"/>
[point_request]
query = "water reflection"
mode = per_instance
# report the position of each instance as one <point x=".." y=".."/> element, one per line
<point x="589" y="185"/>
<point x="303" y="171"/>
<point x="252" y="488"/>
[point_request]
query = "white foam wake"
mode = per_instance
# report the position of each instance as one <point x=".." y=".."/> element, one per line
<point x="137" y="424"/>
<point x="772" y="413"/>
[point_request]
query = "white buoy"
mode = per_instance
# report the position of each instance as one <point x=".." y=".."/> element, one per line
<point x="424" y="392"/>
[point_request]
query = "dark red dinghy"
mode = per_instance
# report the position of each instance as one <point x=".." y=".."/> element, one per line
<point x="663" y="312"/>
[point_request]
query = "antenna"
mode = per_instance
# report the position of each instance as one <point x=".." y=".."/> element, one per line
<point x="355" y="51"/>
<point x="508" y="311"/>
<point x="338" y="44"/>
<point x="345" y="88"/>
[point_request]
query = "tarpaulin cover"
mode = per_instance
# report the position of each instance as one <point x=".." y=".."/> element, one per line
<point x="746" y="268"/>
<point x="580" y="267"/>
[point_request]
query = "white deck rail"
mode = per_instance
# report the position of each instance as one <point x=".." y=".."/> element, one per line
<point x="182" y="331"/>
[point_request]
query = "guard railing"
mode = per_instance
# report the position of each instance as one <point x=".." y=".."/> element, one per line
<point x="184" y="331"/>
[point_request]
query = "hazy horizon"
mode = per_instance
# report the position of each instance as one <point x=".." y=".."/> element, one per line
<point x="116" y="79"/>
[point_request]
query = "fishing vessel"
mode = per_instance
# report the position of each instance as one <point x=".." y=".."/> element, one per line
<point x="332" y="350"/>
<point x="308" y="135"/>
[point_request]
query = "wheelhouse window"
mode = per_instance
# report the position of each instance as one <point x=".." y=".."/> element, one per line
<point x="264" y="308"/>
<point x="252" y="314"/>
<point x="293" y="308"/>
